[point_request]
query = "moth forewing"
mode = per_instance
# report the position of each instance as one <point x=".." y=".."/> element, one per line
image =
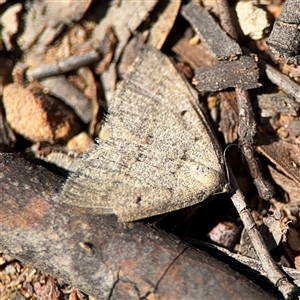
<point x="156" y="152"/>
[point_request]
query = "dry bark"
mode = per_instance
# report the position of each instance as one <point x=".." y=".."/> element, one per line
<point x="283" y="40"/>
<point x="242" y="73"/>
<point x="96" y="253"/>
<point x="218" y="41"/>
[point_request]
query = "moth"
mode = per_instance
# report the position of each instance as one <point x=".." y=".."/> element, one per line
<point x="156" y="152"/>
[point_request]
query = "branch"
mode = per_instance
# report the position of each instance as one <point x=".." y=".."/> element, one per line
<point x="96" y="253"/>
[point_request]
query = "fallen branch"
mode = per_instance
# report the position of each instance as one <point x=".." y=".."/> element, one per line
<point x="96" y="253"/>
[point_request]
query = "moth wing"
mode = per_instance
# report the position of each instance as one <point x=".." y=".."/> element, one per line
<point x="156" y="153"/>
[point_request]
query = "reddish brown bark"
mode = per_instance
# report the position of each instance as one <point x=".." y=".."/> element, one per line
<point x="99" y="255"/>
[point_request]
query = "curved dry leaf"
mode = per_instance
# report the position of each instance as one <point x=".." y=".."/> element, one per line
<point x="162" y="27"/>
<point x="45" y="19"/>
<point x="124" y="18"/>
<point x="10" y="24"/>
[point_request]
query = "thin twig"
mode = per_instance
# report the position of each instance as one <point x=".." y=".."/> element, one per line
<point x="63" y="66"/>
<point x="287" y="84"/>
<point x="217" y="40"/>
<point x="247" y="125"/>
<point x="274" y="274"/>
<point x="247" y="130"/>
<point x="225" y="19"/>
<point x="61" y="88"/>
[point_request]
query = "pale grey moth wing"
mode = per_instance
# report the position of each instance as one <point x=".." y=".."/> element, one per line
<point x="156" y="152"/>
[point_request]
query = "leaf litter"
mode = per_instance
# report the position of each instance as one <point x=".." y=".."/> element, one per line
<point x="41" y="36"/>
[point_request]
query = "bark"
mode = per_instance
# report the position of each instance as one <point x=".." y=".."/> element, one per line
<point x="99" y="255"/>
<point x="206" y="27"/>
<point x="284" y="38"/>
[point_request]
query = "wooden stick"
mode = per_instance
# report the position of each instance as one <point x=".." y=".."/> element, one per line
<point x="284" y="38"/>
<point x="98" y="254"/>
<point x="274" y="274"/>
<point x="63" y="66"/>
<point x="283" y="81"/>
<point x="247" y="131"/>
<point x="225" y="19"/>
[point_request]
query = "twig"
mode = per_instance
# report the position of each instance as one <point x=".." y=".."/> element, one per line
<point x="63" y="66"/>
<point x="217" y="40"/>
<point x="225" y="19"/>
<point x="287" y="84"/>
<point x="247" y="127"/>
<point x="242" y="73"/>
<point x="61" y="88"/>
<point x="204" y="25"/>
<point x="247" y="130"/>
<point x="273" y="272"/>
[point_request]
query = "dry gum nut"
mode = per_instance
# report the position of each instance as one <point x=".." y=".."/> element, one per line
<point x="38" y="117"/>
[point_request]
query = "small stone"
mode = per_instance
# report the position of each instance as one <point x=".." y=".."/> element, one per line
<point x="9" y="269"/>
<point x="252" y="19"/>
<point x="80" y="143"/>
<point x="297" y="262"/>
<point x="282" y="132"/>
<point x="225" y="234"/>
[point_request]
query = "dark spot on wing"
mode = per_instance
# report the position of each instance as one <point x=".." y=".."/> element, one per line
<point x="138" y="200"/>
<point x="183" y="112"/>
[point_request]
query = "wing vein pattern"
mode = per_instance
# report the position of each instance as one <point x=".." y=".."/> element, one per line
<point x="156" y="152"/>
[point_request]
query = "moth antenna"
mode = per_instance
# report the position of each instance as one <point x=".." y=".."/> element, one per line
<point x="228" y="186"/>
